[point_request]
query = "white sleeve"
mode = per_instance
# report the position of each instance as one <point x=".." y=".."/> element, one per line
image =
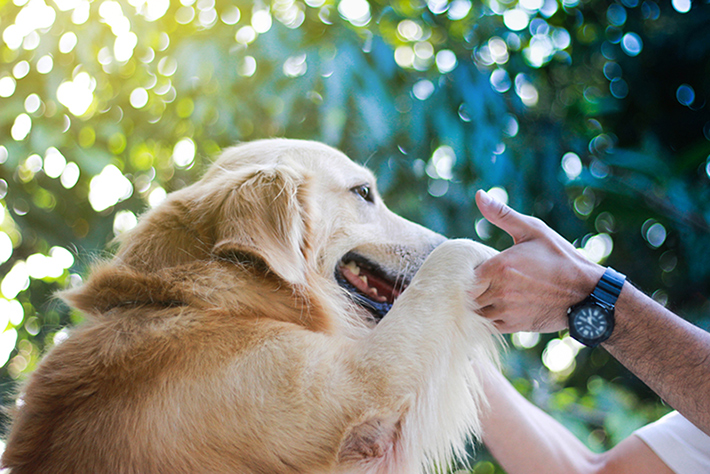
<point x="679" y="443"/>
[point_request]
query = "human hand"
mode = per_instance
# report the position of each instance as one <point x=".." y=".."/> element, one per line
<point x="530" y="286"/>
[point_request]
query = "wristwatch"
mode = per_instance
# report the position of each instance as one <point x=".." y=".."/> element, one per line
<point x="591" y="322"/>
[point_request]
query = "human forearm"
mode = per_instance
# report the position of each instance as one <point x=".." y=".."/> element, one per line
<point x="530" y="286"/>
<point x="666" y="352"/>
<point x="524" y="439"/>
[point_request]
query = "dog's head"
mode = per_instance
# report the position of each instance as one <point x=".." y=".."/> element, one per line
<point x="297" y="210"/>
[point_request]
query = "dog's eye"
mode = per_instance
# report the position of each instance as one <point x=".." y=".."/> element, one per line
<point x="364" y="192"/>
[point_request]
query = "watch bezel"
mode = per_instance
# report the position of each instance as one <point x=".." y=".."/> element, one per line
<point x="608" y="312"/>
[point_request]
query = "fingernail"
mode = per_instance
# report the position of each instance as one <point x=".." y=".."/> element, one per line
<point x="485" y="198"/>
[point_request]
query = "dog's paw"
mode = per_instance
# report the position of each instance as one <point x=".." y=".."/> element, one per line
<point x="447" y="278"/>
<point x="457" y="258"/>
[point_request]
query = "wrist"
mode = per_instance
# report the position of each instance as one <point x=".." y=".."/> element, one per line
<point x="629" y="297"/>
<point x="592" y="320"/>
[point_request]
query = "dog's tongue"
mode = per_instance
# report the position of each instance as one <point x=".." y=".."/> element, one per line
<point x="369" y="283"/>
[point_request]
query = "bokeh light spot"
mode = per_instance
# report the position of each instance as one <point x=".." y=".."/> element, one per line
<point x="458" y="9"/>
<point x="511" y="127"/>
<point x="356" y="12"/>
<point x="571" y="165"/>
<point x="77" y="94"/>
<point x="499" y="194"/>
<point x="157" y="196"/>
<point x="70" y="175"/>
<point x="151" y="9"/>
<point x="423" y="89"/>
<point x="108" y="188"/>
<point x="7" y="86"/>
<point x="139" y="98"/>
<point x="261" y="21"/>
<point x="45" y="64"/>
<point x="32" y="103"/>
<point x="442" y="163"/>
<point x="21" y="69"/>
<point x="54" y="163"/>
<point x="525" y="340"/>
<point x="685" y="94"/>
<point x="184" y="153"/>
<point x="500" y="80"/>
<point x="654" y="232"/>
<point x="247" y="67"/>
<point x="526" y="91"/>
<point x="631" y="44"/>
<point x="498" y="50"/>
<point x="15" y="281"/>
<point x="8" y="339"/>
<point x="598" y="247"/>
<point x="516" y="19"/>
<point x="616" y="14"/>
<point x="446" y="61"/>
<point x="12" y="312"/>
<point x="124" y="221"/>
<point x="404" y="56"/>
<point x="559" y="355"/>
<point x="245" y="35"/>
<point x="295" y="66"/>
<point x="67" y="42"/>
<point x="5" y="247"/>
<point x="21" y="127"/>
<point x="409" y="30"/>
<point x="681" y="6"/>
<point x="532" y="5"/>
<point x="618" y="88"/>
<point x="231" y="15"/>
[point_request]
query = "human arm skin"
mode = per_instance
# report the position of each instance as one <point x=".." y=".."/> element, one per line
<point x="530" y="286"/>
<point x="526" y="440"/>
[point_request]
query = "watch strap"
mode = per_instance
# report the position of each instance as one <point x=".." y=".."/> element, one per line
<point x="609" y="287"/>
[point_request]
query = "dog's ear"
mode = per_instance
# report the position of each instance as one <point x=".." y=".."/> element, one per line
<point x="267" y="216"/>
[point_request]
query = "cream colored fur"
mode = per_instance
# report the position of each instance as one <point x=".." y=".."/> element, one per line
<point x="218" y="341"/>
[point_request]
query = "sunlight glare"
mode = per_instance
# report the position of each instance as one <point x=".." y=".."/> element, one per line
<point x="184" y="153"/>
<point x="36" y="15"/>
<point x="6" y="247"/>
<point x="21" y="127"/>
<point x="108" y="188"/>
<point x="8" y="339"/>
<point x="261" y="21"/>
<point x="70" y="175"/>
<point x="124" y="221"/>
<point x="54" y="163"/>
<point x="78" y="94"/>
<point x="15" y="281"/>
<point x="559" y="355"/>
<point x="356" y="12"/>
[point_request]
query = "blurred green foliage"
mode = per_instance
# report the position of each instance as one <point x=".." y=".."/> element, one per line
<point x="590" y="114"/>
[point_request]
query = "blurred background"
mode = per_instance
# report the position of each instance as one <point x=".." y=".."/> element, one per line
<point x="590" y="114"/>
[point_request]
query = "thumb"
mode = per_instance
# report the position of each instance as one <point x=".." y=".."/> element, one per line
<point x="517" y="225"/>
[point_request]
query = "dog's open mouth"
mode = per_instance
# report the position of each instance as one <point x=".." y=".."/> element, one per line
<point x="368" y="285"/>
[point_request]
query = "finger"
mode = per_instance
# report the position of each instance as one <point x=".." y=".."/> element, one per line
<point x="482" y="282"/>
<point x="485" y="298"/>
<point x="501" y="317"/>
<point x="517" y="225"/>
<point x="494" y="312"/>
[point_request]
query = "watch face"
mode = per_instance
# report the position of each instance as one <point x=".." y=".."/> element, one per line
<point x="590" y="321"/>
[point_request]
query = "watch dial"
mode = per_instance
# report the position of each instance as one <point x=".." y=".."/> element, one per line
<point x="590" y="322"/>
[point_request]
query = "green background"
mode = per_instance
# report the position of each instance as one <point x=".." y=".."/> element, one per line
<point x="589" y="114"/>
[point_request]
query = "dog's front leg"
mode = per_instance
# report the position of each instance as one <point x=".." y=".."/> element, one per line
<point x="418" y="359"/>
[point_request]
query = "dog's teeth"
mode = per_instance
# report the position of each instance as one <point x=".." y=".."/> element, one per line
<point x="352" y="266"/>
<point x="364" y="278"/>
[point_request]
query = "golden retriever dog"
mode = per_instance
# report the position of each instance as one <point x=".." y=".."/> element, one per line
<point x="274" y="317"/>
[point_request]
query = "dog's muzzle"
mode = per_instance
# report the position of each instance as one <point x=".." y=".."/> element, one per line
<point x="368" y="285"/>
